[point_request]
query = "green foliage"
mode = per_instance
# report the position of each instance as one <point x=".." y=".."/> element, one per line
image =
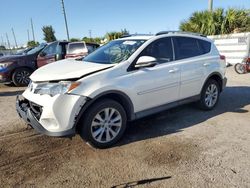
<point x="49" y="33"/>
<point x="2" y="48"/>
<point x="74" y="40"/>
<point x="115" y="35"/>
<point x="93" y="40"/>
<point x="218" y="21"/>
<point x="32" y="44"/>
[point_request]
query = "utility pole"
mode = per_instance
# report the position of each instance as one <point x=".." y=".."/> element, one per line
<point x="32" y="28"/>
<point x="14" y="36"/>
<point x="90" y="34"/>
<point x="28" y="32"/>
<point x="210" y="5"/>
<point x="2" y="41"/>
<point x="8" y="40"/>
<point x="65" y="19"/>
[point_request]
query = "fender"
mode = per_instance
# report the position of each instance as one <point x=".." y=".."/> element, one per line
<point x="123" y="99"/>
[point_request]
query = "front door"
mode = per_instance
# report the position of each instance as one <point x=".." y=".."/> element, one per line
<point x="158" y="85"/>
<point x="47" y="55"/>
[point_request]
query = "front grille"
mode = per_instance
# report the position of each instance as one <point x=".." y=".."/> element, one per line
<point x="36" y="109"/>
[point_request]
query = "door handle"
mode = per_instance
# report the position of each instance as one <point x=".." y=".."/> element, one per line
<point x="173" y="70"/>
<point x="206" y="64"/>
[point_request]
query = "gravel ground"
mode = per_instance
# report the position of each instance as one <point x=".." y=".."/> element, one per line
<point x="182" y="147"/>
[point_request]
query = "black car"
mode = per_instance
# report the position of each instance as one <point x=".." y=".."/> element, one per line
<point x="18" y="68"/>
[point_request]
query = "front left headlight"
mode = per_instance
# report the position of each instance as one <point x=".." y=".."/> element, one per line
<point x="53" y="89"/>
<point x="5" y="64"/>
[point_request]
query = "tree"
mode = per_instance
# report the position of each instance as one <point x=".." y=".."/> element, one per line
<point x="32" y="44"/>
<point x="74" y="40"/>
<point x="2" y="47"/>
<point x="115" y="35"/>
<point x="49" y="33"/>
<point x="94" y="40"/>
<point x="217" y="21"/>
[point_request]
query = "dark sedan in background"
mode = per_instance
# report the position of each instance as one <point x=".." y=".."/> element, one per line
<point x="16" y="69"/>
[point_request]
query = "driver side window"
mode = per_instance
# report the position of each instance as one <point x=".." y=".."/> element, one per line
<point x="160" y="49"/>
<point x="50" y="49"/>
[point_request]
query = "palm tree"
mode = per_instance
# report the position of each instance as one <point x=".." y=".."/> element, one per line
<point x="217" y="21"/>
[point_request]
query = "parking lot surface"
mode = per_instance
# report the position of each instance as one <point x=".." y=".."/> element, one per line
<point x="181" y="147"/>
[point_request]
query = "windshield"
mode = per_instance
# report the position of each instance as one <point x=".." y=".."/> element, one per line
<point x="36" y="49"/>
<point x="114" y="52"/>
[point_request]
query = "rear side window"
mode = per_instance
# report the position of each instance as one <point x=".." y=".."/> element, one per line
<point x="205" y="46"/>
<point x="160" y="49"/>
<point x="76" y="48"/>
<point x="186" y="47"/>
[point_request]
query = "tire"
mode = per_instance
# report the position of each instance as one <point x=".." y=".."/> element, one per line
<point x="97" y="127"/>
<point x="209" y="95"/>
<point x="20" y="77"/>
<point x="240" y="68"/>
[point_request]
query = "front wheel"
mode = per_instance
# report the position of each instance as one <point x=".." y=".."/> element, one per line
<point x="240" y="68"/>
<point x="20" y="77"/>
<point x="209" y="95"/>
<point x="104" y="123"/>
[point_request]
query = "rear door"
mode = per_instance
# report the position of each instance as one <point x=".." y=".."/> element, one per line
<point x="190" y="54"/>
<point x="47" y="55"/>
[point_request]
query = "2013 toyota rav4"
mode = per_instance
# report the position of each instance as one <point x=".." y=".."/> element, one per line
<point x="124" y="80"/>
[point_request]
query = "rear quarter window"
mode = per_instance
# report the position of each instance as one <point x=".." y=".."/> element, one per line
<point x="76" y="48"/>
<point x="205" y="46"/>
<point x="187" y="47"/>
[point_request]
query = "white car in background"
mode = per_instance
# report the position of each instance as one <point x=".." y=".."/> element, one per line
<point x="77" y="50"/>
<point x="126" y="79"/>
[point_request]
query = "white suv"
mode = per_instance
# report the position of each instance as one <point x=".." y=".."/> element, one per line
<point x="124" y="80"/>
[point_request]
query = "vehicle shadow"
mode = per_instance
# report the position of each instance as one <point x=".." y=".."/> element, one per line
<point x="11" y="93"/>
<point x="232" y="99"/>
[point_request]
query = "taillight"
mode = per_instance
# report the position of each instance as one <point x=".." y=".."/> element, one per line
<point x="222" y="57"/>
<point x="248" y="60"/>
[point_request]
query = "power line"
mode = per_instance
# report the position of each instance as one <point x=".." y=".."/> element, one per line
<point x="65" y="19"/>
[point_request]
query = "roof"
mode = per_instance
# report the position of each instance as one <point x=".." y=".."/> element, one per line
<point x="136" y="37"/>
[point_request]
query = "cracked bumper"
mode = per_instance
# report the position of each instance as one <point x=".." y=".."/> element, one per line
<point x="56" y="119"/>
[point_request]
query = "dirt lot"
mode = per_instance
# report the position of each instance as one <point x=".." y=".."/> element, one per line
<point x="182" y="147"/>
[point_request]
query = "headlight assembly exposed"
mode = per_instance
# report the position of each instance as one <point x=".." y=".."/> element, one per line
<point x="53" y="89"/>
<point x="5" y="64"/>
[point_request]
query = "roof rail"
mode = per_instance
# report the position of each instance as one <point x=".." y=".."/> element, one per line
<point x="180" y="32"/>
<point x="131" y="35"/>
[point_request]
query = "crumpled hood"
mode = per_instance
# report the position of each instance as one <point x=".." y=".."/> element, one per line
<point x="66" y="69"/>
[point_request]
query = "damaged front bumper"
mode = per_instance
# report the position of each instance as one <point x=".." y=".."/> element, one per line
<point x="55" y="119"/>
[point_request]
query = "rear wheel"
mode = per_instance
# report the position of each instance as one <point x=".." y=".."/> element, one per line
<point x="240" y="68"/>
<point x="104" y="123"/>
<point x="20" y="77"/>
<point x="209" y="95"/>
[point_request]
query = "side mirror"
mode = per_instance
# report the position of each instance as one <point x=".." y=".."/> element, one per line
<point x="42" y="54"/>
<point x="146" y="61"/>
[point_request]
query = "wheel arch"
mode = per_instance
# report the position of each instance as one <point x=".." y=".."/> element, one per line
<point x="115" y="95"/>
<point x="217" y="77"/>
